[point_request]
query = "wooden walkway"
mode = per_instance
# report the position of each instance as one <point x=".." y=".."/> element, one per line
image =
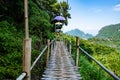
<point x="61" y="65"/>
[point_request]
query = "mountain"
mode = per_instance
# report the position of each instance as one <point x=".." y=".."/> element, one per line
<point x="78" y="33"/>
<point x="110" y="31"/>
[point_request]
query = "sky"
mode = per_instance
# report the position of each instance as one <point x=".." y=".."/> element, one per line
<point x="90" y="16"/>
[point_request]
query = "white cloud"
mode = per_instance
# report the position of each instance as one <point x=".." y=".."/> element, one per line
<point x="117" y="7"/>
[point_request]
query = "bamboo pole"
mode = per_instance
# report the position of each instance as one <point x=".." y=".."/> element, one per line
<point x="48" y="51"/>
<point x="26" y="19"/>
<point x="70" y="47"/>
<point x="51" y="47"/>
<point x="77" y="51"/>
<point x="26" y="45"/>
<point x="27" y="58"/>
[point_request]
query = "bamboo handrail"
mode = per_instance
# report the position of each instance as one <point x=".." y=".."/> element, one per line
<point x="24" y="74"/>
<point x="101" y="65"/>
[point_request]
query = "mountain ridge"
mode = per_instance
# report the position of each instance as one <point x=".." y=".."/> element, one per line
<point x="79" y="33"/>
<point x="109" y="31"/>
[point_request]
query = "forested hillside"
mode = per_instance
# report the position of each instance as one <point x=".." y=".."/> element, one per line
<point x="109" y="36"/>
<point x="110" y="31"/>
<point x="40" y="12"/>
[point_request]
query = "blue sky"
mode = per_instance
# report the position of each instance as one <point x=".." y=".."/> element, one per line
<point x="91" y="15"/>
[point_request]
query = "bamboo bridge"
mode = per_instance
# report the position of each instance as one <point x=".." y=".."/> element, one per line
<point x="60" y="64"/>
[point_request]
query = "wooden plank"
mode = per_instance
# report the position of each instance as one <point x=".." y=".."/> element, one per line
<point x="60" y="65"/>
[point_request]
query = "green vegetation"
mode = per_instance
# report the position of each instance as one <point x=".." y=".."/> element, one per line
<point x="110" y="32"/>
<point x="108" y="36"/>
<point x="108" y="56"/>
<point x="91" y="71"/>
<point x="10" y="51"/>
<point x="41" y="29"/>
<point x="114" y="43"/>
<point x="41" y="12"/>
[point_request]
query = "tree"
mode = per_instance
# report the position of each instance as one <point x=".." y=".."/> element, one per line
<point x="54" y="8"/>
<point x="12" y="8"/>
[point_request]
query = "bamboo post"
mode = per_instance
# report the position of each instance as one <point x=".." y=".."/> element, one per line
<point x="77" y="51"/>
<point x="51" y="47"/>
<point x="26" y="45"/>
<point x="70" y="47"/>
<point x="48" y="50"/>
<point x="27" y="58"/>
<point x="66" y="44"/>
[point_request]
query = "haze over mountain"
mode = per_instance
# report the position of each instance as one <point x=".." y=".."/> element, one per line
<point x="79" y="33"/>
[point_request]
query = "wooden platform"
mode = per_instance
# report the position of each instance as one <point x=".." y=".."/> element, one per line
<point x="61" y="65"/>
